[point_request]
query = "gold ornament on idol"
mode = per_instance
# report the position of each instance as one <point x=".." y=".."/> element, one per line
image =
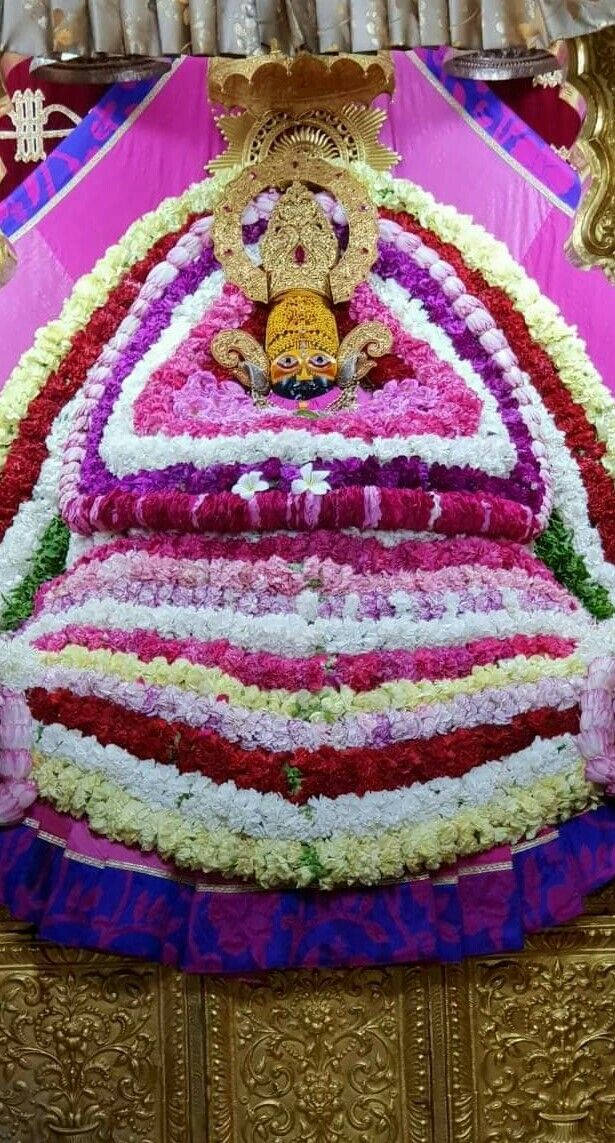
<point x="303" y="270"/>
<point x="305" y="122"/>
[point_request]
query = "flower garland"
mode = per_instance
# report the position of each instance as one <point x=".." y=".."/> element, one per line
<point x="604" y="500"/>
<point x="49" y="560"/>
<point x="121" y="816"/>
<point x="324" y="708"/>
<point x="466" y="676"/>
<point x="53" y="341"/>
<point x="553" y="355"/>
<point x="597" y="737"/>
<point x="556" y="548"/>
<point x="334" y="759"/>
<point x="320" y="770"/>
<point x="17" y="790"/>
<point x="30" y="473"/>
<point x="471" y="234"/>
<point x="253" y="814"/>
<point x="494" y="513"/>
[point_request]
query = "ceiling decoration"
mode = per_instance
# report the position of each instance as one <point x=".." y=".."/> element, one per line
<point x="242" y="27"/>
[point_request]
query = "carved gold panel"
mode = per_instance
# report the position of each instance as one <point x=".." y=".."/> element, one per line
<point x="320" y="1057"/>
<point x="96" y="1049"/>
<point x="530" y="1041"/>
<point x="504" y="1049"/>
<point x="602" y="903"/>
<point x="591" y="76"/>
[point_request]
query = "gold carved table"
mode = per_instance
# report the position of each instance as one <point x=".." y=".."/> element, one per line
<point x="519" y="1047"/>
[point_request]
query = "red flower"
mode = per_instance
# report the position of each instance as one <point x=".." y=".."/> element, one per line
<point x="569" y="416"/>
<point x="29" y="448"/>
<point x="324" y="771"/>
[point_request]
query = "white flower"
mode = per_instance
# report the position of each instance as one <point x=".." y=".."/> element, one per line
<point x="249" y="484"/>
<point x="312" y="480"/>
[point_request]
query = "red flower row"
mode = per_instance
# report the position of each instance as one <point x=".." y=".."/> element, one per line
<point x="569" y="416"/>
<point x="326" y="771"/>
<point x="29" y="449"/>
<point x="268" y="671"/>
<point x="397" y="508"/>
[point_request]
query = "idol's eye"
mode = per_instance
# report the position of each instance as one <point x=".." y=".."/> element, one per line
<point x="287" y="361"/>
<point x="320" y="359"/>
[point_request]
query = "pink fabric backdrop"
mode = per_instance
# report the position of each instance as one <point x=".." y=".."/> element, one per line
<point x="165" y="146"/>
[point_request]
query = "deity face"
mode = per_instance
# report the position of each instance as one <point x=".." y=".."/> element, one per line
<point x="303" y="373"/>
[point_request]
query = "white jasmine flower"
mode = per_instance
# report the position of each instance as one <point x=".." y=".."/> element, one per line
<point x="249" y="484"/>
<point x="312" y="480"/>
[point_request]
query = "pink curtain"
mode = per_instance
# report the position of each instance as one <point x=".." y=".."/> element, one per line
<point x="163" y="148"/>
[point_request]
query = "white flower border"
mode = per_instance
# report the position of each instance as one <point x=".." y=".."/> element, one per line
<point x="295" y="635"/>
<point x="202" y="802"/>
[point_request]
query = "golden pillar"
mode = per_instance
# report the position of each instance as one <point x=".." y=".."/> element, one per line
<point x="591" y="87"/>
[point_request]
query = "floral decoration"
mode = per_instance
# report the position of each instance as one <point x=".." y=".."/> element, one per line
<point x="323" y="650"/>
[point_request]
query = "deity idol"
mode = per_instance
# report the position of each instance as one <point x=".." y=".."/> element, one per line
<point x="303" y="367"/>
<point x="306" y="528"/>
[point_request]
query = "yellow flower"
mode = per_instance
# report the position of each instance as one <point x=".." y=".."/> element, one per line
<point x="326" y="704"/>
<point x="491" y="258"/>
<point x="344" y="860"/>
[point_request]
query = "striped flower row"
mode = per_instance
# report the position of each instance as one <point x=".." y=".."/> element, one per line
<point x="205" y="690"/>
<point x="515" y="813"/>
<point x="577" y="477"/>
<point x="139" y="462"/>
<point x="176" y="704"/>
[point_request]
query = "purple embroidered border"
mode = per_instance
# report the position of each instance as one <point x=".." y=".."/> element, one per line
<point x="95" y="129"/>
<point x="508" y="130"/>
<point x="83" y="904"/>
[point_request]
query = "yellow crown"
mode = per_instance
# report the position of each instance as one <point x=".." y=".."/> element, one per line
<point x="301" y="317"/>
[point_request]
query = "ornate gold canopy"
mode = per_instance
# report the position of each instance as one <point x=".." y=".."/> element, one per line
<point x="319" y="105"/>
<point x="279" y="82"/>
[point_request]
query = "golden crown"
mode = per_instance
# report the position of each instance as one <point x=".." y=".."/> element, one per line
<point x="299" y="248"/>
<point x="300" y="317"/>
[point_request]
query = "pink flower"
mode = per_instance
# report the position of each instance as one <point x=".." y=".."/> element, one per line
<point x="15" y="797"/>
<point x="205" y="396"/>
<point x="601" y="769"/>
